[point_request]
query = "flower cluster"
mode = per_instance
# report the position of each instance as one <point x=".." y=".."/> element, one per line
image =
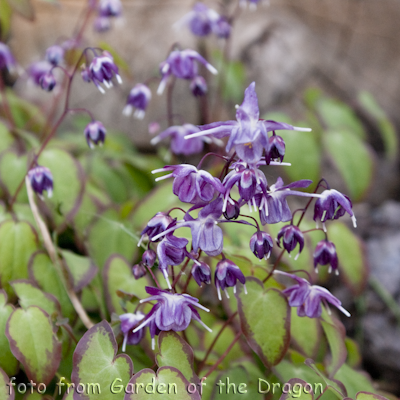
<point x="107" y="9"/>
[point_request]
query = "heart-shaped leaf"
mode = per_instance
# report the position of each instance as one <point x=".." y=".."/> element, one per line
<point x="297" y="389"/>
<point x="18" y="242"/>
<point x="96" y="363"/>
<point x="175" y="352"/>
<point x="81" y="269"/>
<point x="6" y="392"/>
<point x="7" y="361"/>
<point x="168" y="384"/>
<point x="33" y="343"/>
<point x="265" y="320"/>
<point x="369" y="396"/>
<point x="13" y="169"/>
<point x="353" y="380"/>
<point x="29" y="295"/>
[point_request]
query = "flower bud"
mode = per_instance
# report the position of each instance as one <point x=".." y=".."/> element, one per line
<point x="324" y="254"/>
<point x="276" y="148"/>
<point x="198" y="86"/>
<point x="149" y="258"/>
<point x="232" y="210"/>
<point x="227" y="274"/>
<point x="201" y="272"/>
<point x="41" y="180"/>
<point x="47" y="81"/>
<point x="138" y="98"/>
<point x="261" y="244"/>
<point x="138" y="271"/>
<point x="95" y="133"/>
<point x="291" y="236"/>
<point x="55" y="54"/>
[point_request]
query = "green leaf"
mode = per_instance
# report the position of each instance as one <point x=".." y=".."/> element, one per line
<point x="298" y="389"/>
<point x="13" y="169"/>
<point x="81" y="269"/>
<point x="68" y="183"/>
<point x="6" y="139"/>
<point x="96" y="363"/>
<point x="168" y="384"/>
<point x="33" y="343"/>
<point x="23" y="7"/>
<point x="369" y="396"/>
<point x="109" y="235"/>
<point x="354" y="381"/>
<point x="175" y="352"/>
<point x="44" y="274"/>
<point x="6" y="391"/>
<point x="305" y="333"/>
<point x="117" y="275"/>
<point x="265" y="320"/>
<point x="353" y="353"/>
<point x="335" y="332"/>
<point x="30" y="295"/>
<point x="8" y="362"/>
<point x="351" y="255"/>
<point x="18" y="242"/>
<point x="352" y="158"/>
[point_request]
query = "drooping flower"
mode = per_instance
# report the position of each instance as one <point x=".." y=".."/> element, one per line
<point x="178" y="143"/>
<point x="102" y="69"/>
<point x="232" y="209"/>
<point x="6" y="58"/>
<point x="183" y="65"/>
<point x="128" y="322"/>
<point x="155" y="226"/>
<point x="149" y="258"/>
<point x="173" y="311"/>
<point x="41" y="180"/>
<point x="324" y="254"/>
<point x="222" y="28"/>
<point x="138" y="271"/>
<point x="276" y="148"/>
<point x="201" y="273"/>
<point x="333" y="205"/>
<point x="261" y="244"/>
<point x="190" y="184"/>
<point x="248" y="135"/>
<point x="110" y="8"/>
<point x="227" y="274"/>
<point x="55" y="54"/>
<point x="47" y="81"/>
<point x="95" y="133"/>
<point x="198" y="86"/>
<point x="37" y="70"/>
<point x="138" y="99"/>
<point x="308" y="298"/>
<point x="291" y="235"/>
<point x="102" y="24"/>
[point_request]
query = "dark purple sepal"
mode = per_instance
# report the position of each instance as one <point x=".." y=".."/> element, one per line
<point x="95" y="133"/>
<point x="41" y="180"/>
<point x="139" y="271"/>
<point x="227" y="274"/>
<point x="276" y="149"/>
<point x="201" y="273"/>
<point x="232" y="210"/>
<point x="261" y="244"/>
<point x="324" y="254"/>
<point x="149" y="258"/>
<point x="291" y="235"/>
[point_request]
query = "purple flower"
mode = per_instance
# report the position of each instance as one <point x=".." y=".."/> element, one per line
<point x="261" y="244"/>
<point x="155" y="226"/>
<point x="308" y="297"/>
<point x="227" y="274"/>
<point x="149" y="258"/>
<point x="47" y="81"/>
<point x="139" y="271"/>
<point x="101" y="24"/>
<point x="95" y="133"/>
<point x="55" y="55"/>
<point x="110" y="8"/>
<point x="201" y="273"/>
<point x="291" y="236"/>
<point x="182" y="64"/>
<point x="276" y="148"/>
<point x="252" y="4"/>
<point x="41" y="180"/>
<point x="198" y="86"/>
<point x="102" y="69"/>
<point x="6" y="58"/>
<point x="190" y="184"/>
<point x="232" y="209"/>
<point x="178" y="144"/>
<point x="37" y="70"/>
<point x="173" y="311"/>
<point x="222" y="28"/>
<point x="138" y="98"/>
<point x="128" y="322"/>
<point x="325" y="253"/>
<point x="332" y="205"/>
<point x="248" y="135"/>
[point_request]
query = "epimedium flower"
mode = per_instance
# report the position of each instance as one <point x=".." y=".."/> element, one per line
<point x="41" y="180"/>
<point x="198" y="86"/>
<point x="47" y="81"/>
<point x="110" y="8"/>
<point x="55" y="55"/>
<point x="158" y="224"/>
<point x="149" y="258"/>
<point x="324" y="254"/>
<point x="289" y="237"/>
<point x="261" y="244"/>
<point x="190" y="184"/>
<point x="95" y="133"/>
<point x="333" y="205"/>
<point x="101" y="24"/>
<point x="227" y="274"/>
<point x="201" y="272"/>
<point x="172" y="311"/>
<point x="308" y="298"/>
<point x="37" y="70"/>
<point x="138" y="271"/>
<point x="138" y="99"/>
<point x="183" y="65"/>
<point x="6" y="58"/>
<point x="248" y="135"/>
<point x="128" y="323"/>
<point x="276" y="148"/>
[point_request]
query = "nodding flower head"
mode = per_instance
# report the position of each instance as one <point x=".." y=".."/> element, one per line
<point x="149" y="258"/>
<point x="95" y="133"/>
<point x="324" y="254"/>
<point x="227" y="274"/>
<point x="201" y="273"/>
<point x="110" y="8"/>
<point x="308" y="298"/>
<point x="173" y="311"/>
<point x="6" y="58"/>
<point x="222" y="28"/>
<point x="198" y="86"/>
<point x="41" y="180"/>
<point x="261" y="244"/>
<point x="128" y="323"/>
<point x="55" y="54"/>
<point x="138" y="271"/>
<point x="101" y="24"/>
<point x="102" y="69"/>
<point x="232" y="209"/>
<point x="183" y="65"/>
<point x="37" y="70"/>
<point x="291" y="236"/>
<point x="276" y="148"/>
<point x="47" y="81"/>
<point x="333" y="205"/>
<point x="138" y="99"/>
<point x="158" y="224"/>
